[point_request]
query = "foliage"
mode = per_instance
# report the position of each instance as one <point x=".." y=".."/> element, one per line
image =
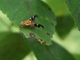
<point x="20" y="12"/>
<point x="64" y="25"/>
<point x="75" y="10"/>
<point x="12" y="46"/>
<point x="16" y="42"/>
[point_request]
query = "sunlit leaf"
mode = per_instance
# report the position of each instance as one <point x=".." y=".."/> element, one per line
<point x="5" y="24"/>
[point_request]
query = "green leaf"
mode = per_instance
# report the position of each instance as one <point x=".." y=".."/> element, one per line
<point x="2" y="35"/>
<point x="12" y="47"/>
<point x="75" y="10"/>
<point x="18" y="11"/>
<point x="53" y="52"/>
<point x="77" y="56"/>
<point x="64" y="25"/>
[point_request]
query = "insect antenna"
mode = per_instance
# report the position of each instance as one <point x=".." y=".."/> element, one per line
<point x="29" y="7"/>
<point x="34" y="17"/>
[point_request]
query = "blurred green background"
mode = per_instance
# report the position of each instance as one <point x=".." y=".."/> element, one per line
<point x="66" y="33"/>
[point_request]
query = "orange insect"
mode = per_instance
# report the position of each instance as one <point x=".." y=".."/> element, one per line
<point x="27" y="23"/>
<point x="30" y="22"/>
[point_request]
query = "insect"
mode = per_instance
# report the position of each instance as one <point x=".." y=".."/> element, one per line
<point x="30" y="22"/>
